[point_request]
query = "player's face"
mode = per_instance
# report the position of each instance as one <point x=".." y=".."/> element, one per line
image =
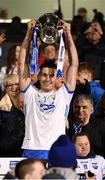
<point x="47" y="79"/>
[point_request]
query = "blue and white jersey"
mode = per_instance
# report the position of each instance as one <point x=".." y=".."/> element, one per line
<point x="45" y="116"/>
<point x="96" y="165"/>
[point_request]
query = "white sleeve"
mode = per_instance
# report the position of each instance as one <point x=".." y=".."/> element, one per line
<point x="28" y="93"/>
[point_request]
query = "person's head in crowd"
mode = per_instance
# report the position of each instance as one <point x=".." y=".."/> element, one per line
<point x="93" y="33"/>
<point x="57" y="157"/>
<point x="13" y="96"/>
<point x="3" y="13"/>
<point x="47" y="75"/>
<point x="82" y="108"/>
<point x="12" y="57"/>
<point x="85" y="72"/>
<point x="11" y="84"/>
<point x="50" y="51"/>
<point x="16" y="20"/>
<point x="15" y="26"/>
<point x="82" y="144"/>
<point x="82" y="11"/>
<point x="98" y="16"/>
<point x="29" y="169"/>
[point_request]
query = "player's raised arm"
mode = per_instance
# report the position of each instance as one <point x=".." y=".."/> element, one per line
<point x="73" y="57"/>
<point x="24" y="78"/>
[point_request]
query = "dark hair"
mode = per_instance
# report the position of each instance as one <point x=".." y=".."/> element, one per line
<point x="48" y="63"/>
<point x="82" y="97"/>
<point x="98" y="17"/>
<point x="24" y="167"/>
<point x="55" y="45"/>
<point x="79" y="135"/>
<point x="11" y="57"/>
<point x="16" y="19"/>
<point x="82" y="10"/>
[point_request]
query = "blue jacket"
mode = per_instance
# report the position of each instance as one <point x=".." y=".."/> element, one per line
<point x="96" y="91"/>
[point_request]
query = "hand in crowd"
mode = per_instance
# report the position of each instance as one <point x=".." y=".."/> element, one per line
<point x="2" y="37"/>
<point x="96" y="26"/>
<point x="94" y="32"/>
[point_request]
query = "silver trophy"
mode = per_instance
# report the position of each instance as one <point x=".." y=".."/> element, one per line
<point x="48" y="27"/>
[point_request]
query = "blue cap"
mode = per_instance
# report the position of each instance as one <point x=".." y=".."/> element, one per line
<point x="62" y="153"/>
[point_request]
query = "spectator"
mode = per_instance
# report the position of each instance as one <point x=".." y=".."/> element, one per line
<point x="87" y="160"/>
<point x="82" y="111"/>
<point x="11" y="132"/>
<point x="84" y="121"/>
<point x="3" y="13"/>
<point x="82" y="11"/>
<point x="50" y="51"/>
<point x="91" y="46"/>
<point x="99" y="17"/>
<point x="85" y="76"/>
<point x="15" y="30"/>
<point x="11" y="84"/>
<point x="46" y="121"/>
<point x="12" y="65"/>
<point x="11" y="120"/>
<point x="29" y="169"/>
<point x="12" y="57"/>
